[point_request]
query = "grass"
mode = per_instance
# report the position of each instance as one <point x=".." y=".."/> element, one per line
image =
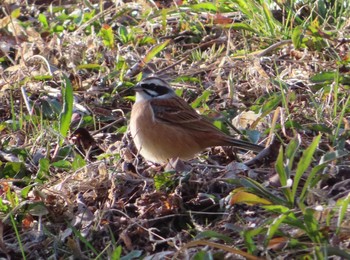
<point x="70" y="67"/>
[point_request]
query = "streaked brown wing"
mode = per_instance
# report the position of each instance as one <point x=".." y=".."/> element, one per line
<point x="177" y="112"/>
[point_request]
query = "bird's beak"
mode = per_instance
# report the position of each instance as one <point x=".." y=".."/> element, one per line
<point x="137" y="87"/>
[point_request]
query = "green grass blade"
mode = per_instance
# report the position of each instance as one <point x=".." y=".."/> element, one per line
<point x="304" y="163"/>
<point x="271" y="22"/>
<point x="291" y="219"/>
<point x="249" y="235"/>
<point x="84" y="240"/>
<point x="273" y="228"/>
<point x="297" y="37"/>
<point x="342" y="212"/>
<point x="284" y="175"/>
<point x="341" y="116"/>
<point x="210" y="234"/>
<point x="67" y="111"/>
<point x="309" y="180"/>
<point x="13" y="222"/>
<point x="312" y="226"/>
<point x="116" y="254"/>
<point x="204" y="6"/>
<point x="279" y="166"/>
<point x="240" y="26"/>
<point x="291" y="151"/>
<point x="155" y="50"/>
<point x="244" y="8"/>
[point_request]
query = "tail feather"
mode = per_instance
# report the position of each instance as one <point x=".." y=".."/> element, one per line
<point x="244" y="145"/>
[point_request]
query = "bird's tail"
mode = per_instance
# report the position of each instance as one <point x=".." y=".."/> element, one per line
<point x="244" y="145"/>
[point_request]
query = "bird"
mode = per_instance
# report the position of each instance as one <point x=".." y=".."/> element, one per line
<point x="164" y="126"/>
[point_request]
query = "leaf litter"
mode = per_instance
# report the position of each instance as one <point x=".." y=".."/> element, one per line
<point x="93" y="194"/>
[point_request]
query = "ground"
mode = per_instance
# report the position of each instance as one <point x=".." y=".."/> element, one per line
<point x="72" y="183"/>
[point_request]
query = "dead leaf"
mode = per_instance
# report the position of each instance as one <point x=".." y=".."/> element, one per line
<point x="241" y="196"/>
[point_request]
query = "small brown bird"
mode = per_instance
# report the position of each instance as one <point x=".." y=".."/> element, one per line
<point x="164" y="126"/>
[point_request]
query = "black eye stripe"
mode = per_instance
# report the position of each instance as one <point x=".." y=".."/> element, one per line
<point x="160" y="90"/>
